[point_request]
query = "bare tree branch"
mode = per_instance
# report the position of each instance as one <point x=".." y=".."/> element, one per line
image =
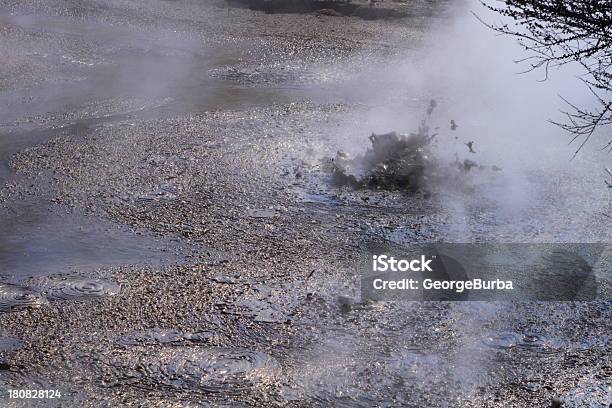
<point x="558" y="32"/>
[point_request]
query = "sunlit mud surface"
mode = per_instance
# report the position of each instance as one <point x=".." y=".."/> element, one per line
<point x="170" y="237"/>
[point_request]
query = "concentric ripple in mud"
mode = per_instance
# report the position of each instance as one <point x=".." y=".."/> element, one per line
<point x="75" y="288"/>
<point x="541" y="344"/>
<point x="503" y="340"/>
<point x="14" y="298"/>
<point x="212" y="370"/>
<point x="529" y="341"/>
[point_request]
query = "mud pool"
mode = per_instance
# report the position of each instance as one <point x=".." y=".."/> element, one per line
<point x="169" y="237"/>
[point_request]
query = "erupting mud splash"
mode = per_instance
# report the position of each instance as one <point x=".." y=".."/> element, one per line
<point x="405" y="162"/>
<point x="395" y="161"/>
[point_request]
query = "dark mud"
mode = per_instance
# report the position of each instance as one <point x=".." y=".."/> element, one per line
<point x="365" y="10"/>
<point x="197" y="254"/>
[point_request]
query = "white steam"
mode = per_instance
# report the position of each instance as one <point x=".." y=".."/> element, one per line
<point x="470" y="71"/>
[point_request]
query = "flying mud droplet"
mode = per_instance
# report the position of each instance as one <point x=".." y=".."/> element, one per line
<point x="77" y="288"/>
<point x="8" y="343"/>
<point x="159" y="336"/>
<point x="14" y="298"/>
<point x="210" y="371"/>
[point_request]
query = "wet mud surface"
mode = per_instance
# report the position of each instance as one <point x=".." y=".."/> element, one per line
<point x="169" y="237"/>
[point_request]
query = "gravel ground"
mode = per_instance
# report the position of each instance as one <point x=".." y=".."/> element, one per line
<point x="197" y="123"/>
